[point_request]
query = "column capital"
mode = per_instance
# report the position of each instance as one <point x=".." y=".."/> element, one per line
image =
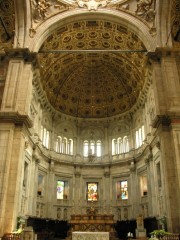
<point x="21" y="53"/>
<point x="165" y="120"/>
<point x="162" y="52"/>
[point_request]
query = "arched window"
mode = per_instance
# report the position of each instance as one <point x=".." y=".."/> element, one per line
<point x="140" y="136"/>
<point x="120" y="145"/>
<point x="85" y="147"/>
<point x="70" y="147"/>
<point x="64" y="145"/>
<point x="98" y="148"/>
<point x="59" y="144"/>
<point x="92" y="147"/>
<point x="125" y="144"/>
<point x="45" y="137"/>
<point x="114" y="147"/>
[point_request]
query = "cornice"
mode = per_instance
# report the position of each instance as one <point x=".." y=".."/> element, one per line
<point x="16" y="118"/>
<point x="165" y="120"/>
<point x="20" y="53"/>
<point x="161" y="52"/>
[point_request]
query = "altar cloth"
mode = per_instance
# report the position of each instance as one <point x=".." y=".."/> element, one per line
<point x="90" y="235"/>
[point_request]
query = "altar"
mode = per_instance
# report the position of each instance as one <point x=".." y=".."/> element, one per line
<point x="92" y="223"/>
<point x="90" y="235"/>
<point x="92" y="227"/>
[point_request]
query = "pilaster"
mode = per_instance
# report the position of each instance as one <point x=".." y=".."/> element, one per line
<point x="15" y="122"/>
<point x="170" y="170"/>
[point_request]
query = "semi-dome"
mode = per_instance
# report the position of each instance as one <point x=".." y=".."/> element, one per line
<point x="92" y="68"/>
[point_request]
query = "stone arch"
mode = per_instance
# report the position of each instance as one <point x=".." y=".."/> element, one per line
<point x="50" y="25"/>
<point x="120" y="129"/>
<point x="23" y="22"/>
<point x="46" y="121"/>
<point x="65" y="129"/>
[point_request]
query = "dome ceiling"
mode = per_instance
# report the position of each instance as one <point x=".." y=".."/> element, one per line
<point x="86" y="82"/>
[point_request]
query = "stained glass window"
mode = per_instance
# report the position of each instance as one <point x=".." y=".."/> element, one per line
<point x="40" y="185"/>
<point x="122" y="190"/>
<point x="92" y="191"/>
<point x="143" y="185"/>
<point x="62" y="189"/>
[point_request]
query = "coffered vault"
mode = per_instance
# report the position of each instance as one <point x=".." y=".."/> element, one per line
<point x="92" y="83"/>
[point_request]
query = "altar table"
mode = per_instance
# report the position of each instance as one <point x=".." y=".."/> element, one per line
<point x="90" y="235"/>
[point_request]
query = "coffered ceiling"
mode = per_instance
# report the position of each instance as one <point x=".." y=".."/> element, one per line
<point x="84" y="82"/>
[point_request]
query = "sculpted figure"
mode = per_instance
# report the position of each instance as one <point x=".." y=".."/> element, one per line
<point x="143" y="6"/>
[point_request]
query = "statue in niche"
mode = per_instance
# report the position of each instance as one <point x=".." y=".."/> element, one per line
<point x="146" y="211"/>
<point x="41" y="211"/>
<point x="59" y="213"/>
<point x="160" y="205"/>
<point x="125" y="213"/>
<point x="65" y="214"/>
<point x="143" y="211"/>
<point x="37" y="210"/>
<point x="119" y="214"/>
<point x="140" y="222"/>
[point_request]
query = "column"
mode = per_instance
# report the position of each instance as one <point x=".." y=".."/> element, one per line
<point x="107" y="198"/>
<point x="51" y="187"/>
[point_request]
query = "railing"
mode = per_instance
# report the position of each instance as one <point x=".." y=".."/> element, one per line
<point x="174" y="236"/>
<point x="12" y="236"/>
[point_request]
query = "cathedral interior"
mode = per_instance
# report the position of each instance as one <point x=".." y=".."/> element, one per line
<point x="90" y="114"/>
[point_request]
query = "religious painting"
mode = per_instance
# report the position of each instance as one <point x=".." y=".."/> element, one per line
<point x="92" y="191"/>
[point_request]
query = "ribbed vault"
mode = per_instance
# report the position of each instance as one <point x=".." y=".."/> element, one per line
<point x="92" y="84"/>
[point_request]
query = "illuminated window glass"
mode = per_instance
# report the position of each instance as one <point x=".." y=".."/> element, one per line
<point x="85" y="148"/>
<point x="140" y="136"/>
<point x="122" y="190"/>
<point x="92" y="148"/>
<point x="158" y="167"/>
<point x="114" y="146"/>
<point x="40" y="185"/>
<point x="125" y="144"/>
<point x="143" y="185"/>
<point x="62" y="189"/>
<point x="45" y="137"/>
<point x="64" y="145"/>
<point x="98" y="147"/>
<point x="92" y="191"/>
<point x="120" y="145"/>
